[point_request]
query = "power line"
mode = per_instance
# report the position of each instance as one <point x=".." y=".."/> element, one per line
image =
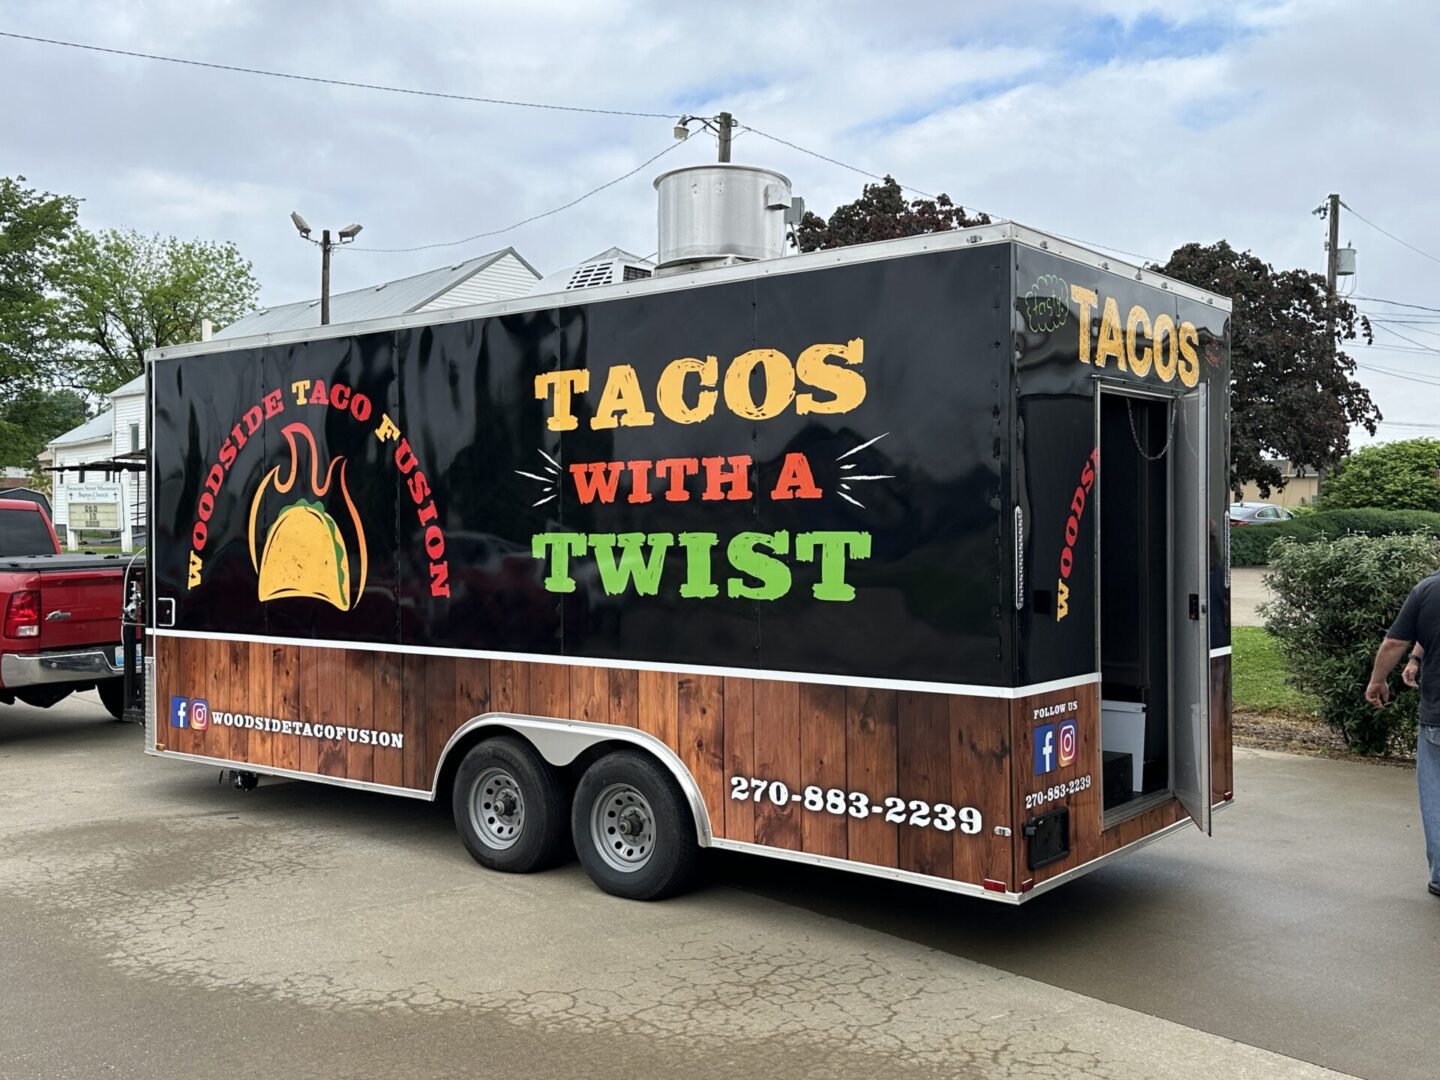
<point x="1385" y="324"/>
<point x="1412" y="341"/>
<point x="1396" y="303"/>
<point x="528" y="220"/>
<point x="1406" y="376"/>
<point x="1392" y="236"/>
<point x="834" y="161"/>
<point x="515" y="103"/>
<point x="334" y="82"/>
<point x="926" y="194"/>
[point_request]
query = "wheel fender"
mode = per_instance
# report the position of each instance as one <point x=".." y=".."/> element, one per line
<point x="560" y="742"/>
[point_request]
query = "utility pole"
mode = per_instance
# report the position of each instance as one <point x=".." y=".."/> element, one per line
<point x="1332" y="264"/>
<point x="325" y="278"/>
<point x="1332" y="268"/>
<point x="726" y="123"/>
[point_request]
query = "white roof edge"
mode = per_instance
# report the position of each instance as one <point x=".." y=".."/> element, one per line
<point x="483" y="262"/>
<point x="101" y="432"/>
<point x="996" y="233"/>
<point x="129" y="387"/>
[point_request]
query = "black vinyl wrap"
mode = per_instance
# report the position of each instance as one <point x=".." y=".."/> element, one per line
<point x="1054" y="435"/>
<point x="931" y="600"/>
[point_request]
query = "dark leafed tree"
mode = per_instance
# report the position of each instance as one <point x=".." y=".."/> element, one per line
<point x="1292" y="387"/>
<point x="34" y="416"/>
<point x="883" y="213"/>
<point x="35" y="226"/>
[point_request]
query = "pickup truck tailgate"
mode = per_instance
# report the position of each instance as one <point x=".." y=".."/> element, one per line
<point x="79" y="607"/>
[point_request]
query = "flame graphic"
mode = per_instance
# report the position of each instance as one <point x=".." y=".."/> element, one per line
<point x="304" y="553"/>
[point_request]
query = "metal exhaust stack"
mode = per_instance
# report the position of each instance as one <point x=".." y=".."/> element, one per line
<point x="719" y="215"/>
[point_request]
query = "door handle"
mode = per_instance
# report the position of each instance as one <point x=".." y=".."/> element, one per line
<point x="57" y="616"/>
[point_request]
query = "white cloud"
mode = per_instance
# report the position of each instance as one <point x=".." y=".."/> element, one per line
<point x="1121" y="121"/>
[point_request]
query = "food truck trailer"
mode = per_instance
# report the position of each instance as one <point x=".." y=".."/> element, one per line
<point x="908" y="558"/>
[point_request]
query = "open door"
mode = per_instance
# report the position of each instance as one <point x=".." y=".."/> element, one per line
<point x="1189" y="610"/>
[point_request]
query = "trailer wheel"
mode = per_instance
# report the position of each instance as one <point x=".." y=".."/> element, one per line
<point x="632" y="829"/>
<point x="509" y="807"/>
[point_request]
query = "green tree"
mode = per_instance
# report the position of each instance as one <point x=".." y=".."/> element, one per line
<point x="1332" y="602"/>
<point x="34" y="416"/>
<point x="126" y="293"/>
<point x="1292" y="390"/>
<point x="882" y="213"/>
<point x="1402" y="475"/>
<point x="35" y="227"/>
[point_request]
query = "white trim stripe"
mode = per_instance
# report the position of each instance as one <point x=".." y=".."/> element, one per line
<point x="1009" y="693"/>
<point x="1223" y="651"/>
<point x="910" y="877"/>
<point x="953" y="239"/>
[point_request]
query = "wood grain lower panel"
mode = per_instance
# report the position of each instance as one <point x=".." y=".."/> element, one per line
<point x="324" y="711"/>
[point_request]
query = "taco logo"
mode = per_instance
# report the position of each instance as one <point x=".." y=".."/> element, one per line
<point x="314" y="546"/>
<point x="304" y="553"/>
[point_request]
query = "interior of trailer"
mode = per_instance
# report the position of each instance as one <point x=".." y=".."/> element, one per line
<point x="1136" y="550"/>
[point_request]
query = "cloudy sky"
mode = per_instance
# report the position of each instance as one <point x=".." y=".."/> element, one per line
<point x="1120" y="122"/>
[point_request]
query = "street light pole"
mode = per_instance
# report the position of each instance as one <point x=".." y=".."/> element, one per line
<point x="326" y="245"/>
<point x="325" y="278"/>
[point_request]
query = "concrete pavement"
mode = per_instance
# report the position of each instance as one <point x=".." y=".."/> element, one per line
<point x="157" y="924"/>
<point x="1247" y="593"/>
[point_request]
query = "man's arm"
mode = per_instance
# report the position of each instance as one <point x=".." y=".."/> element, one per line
<point x="1410" y="674"/>
<point x="1386" y="657"/>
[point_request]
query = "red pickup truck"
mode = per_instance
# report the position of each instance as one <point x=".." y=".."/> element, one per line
<point x="59" y="614"/>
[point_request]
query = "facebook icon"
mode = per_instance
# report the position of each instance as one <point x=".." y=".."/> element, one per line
<point x="1044" y="749"/>
<point x="180" y="712"/>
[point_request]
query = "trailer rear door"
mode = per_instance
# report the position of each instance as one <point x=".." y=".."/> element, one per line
<point x="1189" y="607"/>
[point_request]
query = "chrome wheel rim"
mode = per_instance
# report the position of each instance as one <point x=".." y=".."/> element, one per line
<point x="622" y="828"/>
<point x="497" y="809"/>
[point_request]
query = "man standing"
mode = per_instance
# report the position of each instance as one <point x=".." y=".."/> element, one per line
<point x="1418" y="622"/>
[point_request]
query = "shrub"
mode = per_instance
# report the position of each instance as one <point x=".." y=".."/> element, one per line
<point x="1333" y="602"/>
<point x="1402" y="475"/>
<point x="1250" y="544"/>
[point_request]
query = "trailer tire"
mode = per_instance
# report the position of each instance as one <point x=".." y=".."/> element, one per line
<point x="509" y="807"/>
<point x="112" y="696"/>
<point x="633" y="831"/>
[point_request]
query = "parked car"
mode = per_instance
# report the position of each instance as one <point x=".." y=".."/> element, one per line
<point x="1257" y="513"/>
<point x="59" y="614"/>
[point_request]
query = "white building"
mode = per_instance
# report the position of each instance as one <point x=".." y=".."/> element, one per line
<point x="99" y="450"/>
<point x="115" y="438"/>
<point x="90" y="443"/>
<point x="482" y="280"/>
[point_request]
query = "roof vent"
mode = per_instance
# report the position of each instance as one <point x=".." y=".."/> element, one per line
<point x="610" y="267"/>
<point x="716" y="215"/>
<point x="590" y="274"/>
